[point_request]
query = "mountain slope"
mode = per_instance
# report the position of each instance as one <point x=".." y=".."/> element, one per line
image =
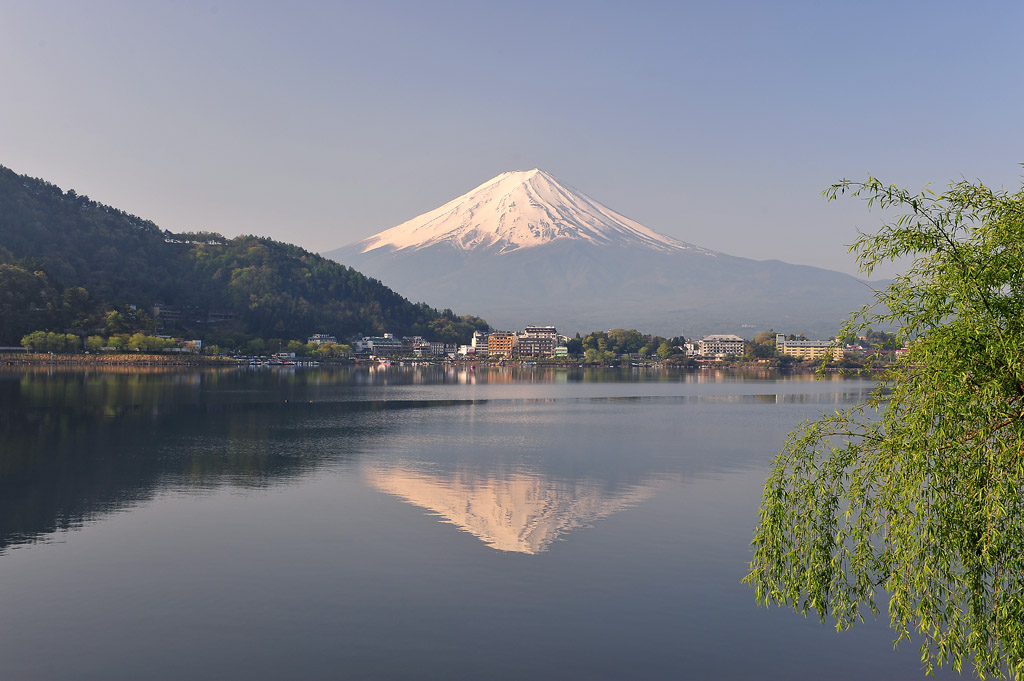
<point x="524" y="248"/>
<point x="266" y="288"/>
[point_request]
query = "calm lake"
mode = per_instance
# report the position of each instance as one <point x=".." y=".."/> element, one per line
<point x="403" y="523"/>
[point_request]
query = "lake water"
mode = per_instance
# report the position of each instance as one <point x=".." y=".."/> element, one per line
<point x="402" y="523"/>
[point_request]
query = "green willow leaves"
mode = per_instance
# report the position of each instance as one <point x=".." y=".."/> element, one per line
<point x="914" y="501"/>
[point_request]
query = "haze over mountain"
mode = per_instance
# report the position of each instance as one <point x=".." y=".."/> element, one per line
<point x="524" y="248"/>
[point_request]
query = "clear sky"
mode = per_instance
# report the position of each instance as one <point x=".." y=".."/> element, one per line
<point x="321" y="123"/>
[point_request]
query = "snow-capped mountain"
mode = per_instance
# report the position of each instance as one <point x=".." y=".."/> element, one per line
<point x="523" y="248"/>
<point x="520" y="209"/>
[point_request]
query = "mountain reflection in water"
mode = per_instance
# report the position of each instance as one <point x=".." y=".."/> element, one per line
<point x="517" y="511"/>
<point x="78" y="444"/>
<point x="268" y="524"/>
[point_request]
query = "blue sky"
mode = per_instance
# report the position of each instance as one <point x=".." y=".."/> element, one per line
<point x="323" y="123"/>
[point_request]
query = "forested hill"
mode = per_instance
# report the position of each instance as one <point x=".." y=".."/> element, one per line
<point x="67" y="262"/>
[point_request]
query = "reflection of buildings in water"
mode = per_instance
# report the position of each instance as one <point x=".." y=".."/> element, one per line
<point x="466" y="376"/>
<point x="519" y="512"/>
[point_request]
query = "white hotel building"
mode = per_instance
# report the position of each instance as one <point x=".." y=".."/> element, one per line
<point x="721" y="345"/>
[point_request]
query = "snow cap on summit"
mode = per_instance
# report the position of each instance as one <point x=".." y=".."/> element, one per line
<point x="515" y="210"/>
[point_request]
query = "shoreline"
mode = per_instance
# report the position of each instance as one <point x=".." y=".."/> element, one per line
<point x="129" y="360"/>
<point x="119" y="359"/>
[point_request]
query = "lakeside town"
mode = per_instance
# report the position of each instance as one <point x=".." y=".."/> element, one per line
<point x="545" y="343"/>
<point x="534" y="343"/>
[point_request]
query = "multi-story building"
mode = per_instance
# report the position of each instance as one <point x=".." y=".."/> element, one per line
<point x="502" y="343"/>
<point x="167" y="314"/>
<point x="215" y="316"/>
<point x="321" y="338"/>
<point x="382" y="346"/>
<point x="531" y="346"/>
<point x="721" y="345"/>
<point x="478" y="346"/>
<point x="415" y="345"/>
<point x="438" y="349"/>
<point x="808" y="349"/>
<point x="540" y="331"/>
<point x="537" y="341"/>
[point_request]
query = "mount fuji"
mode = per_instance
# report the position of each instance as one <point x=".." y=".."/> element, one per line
<point x="523" y="248"/>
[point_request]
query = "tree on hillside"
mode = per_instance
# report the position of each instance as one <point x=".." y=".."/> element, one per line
<point x="119" y="341"/>
<point x="451" y="328"/>
<point x="77" y="310"/>
<point x="49" y="341"/>
<point x="26" y="302"/>
<point x="880" y="339"/>
<point x="574" y="345"/>
<point x="763" y="345"/>
<point x="917" y="495"/>
<point x="115" y="323"/>
<point x="623" y="341"/>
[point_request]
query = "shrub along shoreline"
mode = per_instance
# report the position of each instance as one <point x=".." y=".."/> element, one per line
<point x="126" y="358"/>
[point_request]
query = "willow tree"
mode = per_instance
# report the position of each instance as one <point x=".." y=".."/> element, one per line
<point x="913" y="501"/>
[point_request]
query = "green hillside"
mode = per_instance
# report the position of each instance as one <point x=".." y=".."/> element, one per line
<point x="67" y="263"/>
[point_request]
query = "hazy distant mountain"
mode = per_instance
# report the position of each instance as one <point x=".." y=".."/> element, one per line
<point x="523" y="248"/>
